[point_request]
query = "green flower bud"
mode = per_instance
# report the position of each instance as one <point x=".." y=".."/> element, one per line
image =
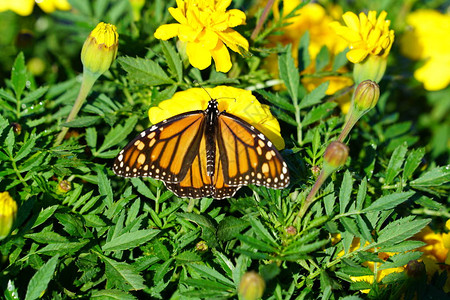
<point x="252" y="286"/>
<point x="366" y="95"/>
<point x="373" y="68"/>
<point x="100" y="48"/>
<point x="335" y="156"/>
<point x="8" y="211"/>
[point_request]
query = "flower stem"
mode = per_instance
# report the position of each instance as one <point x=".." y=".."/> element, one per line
<point x="310" y="198"/>
<point x="349" y="123"/>
<point x="86" y="85"/>
<point x="263" y="18"/>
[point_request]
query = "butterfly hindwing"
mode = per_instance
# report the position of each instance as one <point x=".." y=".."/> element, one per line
<point x="157" y="153"/>
<point x="248" y="156"/>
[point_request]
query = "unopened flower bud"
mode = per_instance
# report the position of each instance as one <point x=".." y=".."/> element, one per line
<point x="64" y="186"/>
<point x="17" y="128"/>
<point x="415" y="269"/>
<point x="252" y="286"/>
<point x="335" y="155"/>
<point x="8" y="211"/>
<point x="100" y="48"/>
<point x="201" y="246"/>
<point x="366" y="95"/>
<point x="291" y="230"/>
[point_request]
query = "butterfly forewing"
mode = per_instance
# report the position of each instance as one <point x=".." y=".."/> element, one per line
<point x="248" y="157"/>
<point x="164" y="151"/>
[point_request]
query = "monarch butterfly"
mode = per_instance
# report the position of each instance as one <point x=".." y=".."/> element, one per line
<point x="204" y="153"/>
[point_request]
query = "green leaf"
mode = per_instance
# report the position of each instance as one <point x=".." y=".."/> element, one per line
<point x="315" y="96"/>
<point x="11" y="292"/>
<point x="104" y="186"/>
<point x="345" y="192"/>
<point x="413" y="161"/>
<point x="276" y="99"/>
<point x="111" y="295"/>
<point x="144" y="71"/>
<point x="389" y="201"/>
<point x="122" y="275"/>
<point x="322" y="58"/>
<point x="340" y="60"/>
<point x="34" y="95"/>
<point x="256" y="244"/>
<point x="289" y="72"/>
<point x="173" y="60"/>
<point x="362" y="192"/>
<point x="407" y="245"/>
<point x="230" y="227"/>
<point x="118" y="134"/>
<point x="91" y="137"/>
<point x="130" y="240"/>
<point x="261" y="231"/>
<point x="399" y="230"/>
<point x="44" y="215"/>
<point x="350" y="226"/>
<point x="318" y="113"/>
<point x="211" y="273"/>
<point x="160" y="250"/>
<point x="26" y="147"/>
<point x="19" y="75"/>
<point x="62" y="248"/>
<point x="39" y="282"/>
<point x="82" y="122"/>
<point x="401" y="259"/>
<point x="356" y="271"/>
<point x="208" y="227"/>
<point x="434" y="177"/>
<point x="395" y="163"/>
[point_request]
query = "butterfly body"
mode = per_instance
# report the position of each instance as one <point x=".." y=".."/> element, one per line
<point x="208" y="153"/>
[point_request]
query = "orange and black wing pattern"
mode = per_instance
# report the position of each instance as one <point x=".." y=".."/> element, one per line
<point x="247" y="156"/>
<point x="164" y="151"/>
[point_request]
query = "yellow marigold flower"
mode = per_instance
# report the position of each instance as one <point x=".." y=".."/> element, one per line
<point x="100" y="48"/>
<point x="25" y="7"/>
<point x="428" y="40"/>
<point x="238" y="102"/>
<point x="312" y="18"/>
<point x="370" y="41"/>
<point x="8" y="211"/>
<point x="205" y="26"/>
<point x="366" y="35"/>
<point x="436" y="252"/>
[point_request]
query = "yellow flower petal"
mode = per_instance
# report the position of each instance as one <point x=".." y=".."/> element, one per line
<point x="234" y="40"/>
<point x="49" y="6"/>
<point x="199" y="56"/>
<point x="434" y="74"/>
<point x="23" y="8"/>
<point x="221" y="58"/>
<point x="357" y="55"/>
<point x="167" y="31"/>
<point x="351" y="20"/>
<point x="178" y="15"/>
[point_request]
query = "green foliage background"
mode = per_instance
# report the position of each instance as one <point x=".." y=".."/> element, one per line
<point x="114" y="238"/>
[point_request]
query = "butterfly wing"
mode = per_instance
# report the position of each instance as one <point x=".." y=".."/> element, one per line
<point x="196" y="183"/>
<point x="164" y="151"/>
<point x="247" y="156"/>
